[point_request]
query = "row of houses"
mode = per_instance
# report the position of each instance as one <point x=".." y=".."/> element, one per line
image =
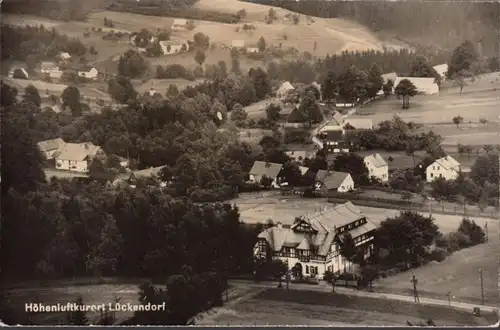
<point x="55" y="71"/>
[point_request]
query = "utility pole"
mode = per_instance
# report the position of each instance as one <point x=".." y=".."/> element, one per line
<point x="486" y="232"/>
<point x="415" y="291"/>
<point x="449" y="298"/>
<point x="482" y="287"/>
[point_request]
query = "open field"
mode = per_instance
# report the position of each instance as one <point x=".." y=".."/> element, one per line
<point x="480" y="99"/>
<point x="161" y="85"/>
<point x="331" y="35"/>
<point x="281" y="307"/>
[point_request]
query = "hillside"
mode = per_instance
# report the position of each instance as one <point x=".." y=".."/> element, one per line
<point x="442" y="24"/>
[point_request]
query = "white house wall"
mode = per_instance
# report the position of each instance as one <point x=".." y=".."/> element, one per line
<point x="69" y="165"/>
<point x="381" y="172"/>
<point x="435" y="171"/>
<point x="347" y="185"/>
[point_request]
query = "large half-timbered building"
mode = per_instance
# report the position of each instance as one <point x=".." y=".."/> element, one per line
<point x="311" y="245"/>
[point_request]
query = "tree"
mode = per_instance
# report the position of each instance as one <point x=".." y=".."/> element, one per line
<point x="348" y="247"/>
<point x="71" y="99"/>
<point x="172" y="90"/>
<point x="200" y="57"/>
<point x="406" y="89"/>
<point x="473" y="231"/>
<point x="31" y="95"/>
<point x="131" y="64"/>
<point x="494" y="64"/>
<point x="488" y="148"/>
<point x="19" y="74"/>
<point x="271" y="15"/>
<point x="154" y="50"/>
<point x="200" y="40"/>
<point x="406" y="237"/>
<point x="388" y="87"/>
<point x="422" y="68"/>
<point x="310" y="109"/>
<point x="483" y="121"/>
<point x="277" y="269"/>
<point x="463" y="58"/>
<point x="121" y="89"/>
<point x="261" y="44"/>
<point x="78" y="317"/>
<point x="375" y="81"/>
<point x="261" y="82"/>
<point x="238" y="114"/>
<point x="461" y="78"/>
<point x="457" y="120"/>
<point x="329" y="86"/>
<point x="352" y="83"/>
<point x="24" y="169"/>
<point x="354" y="164"/>
<point x="273" y="112"/>
<point x="241" y="13"/>
<point x="330" y="277"/>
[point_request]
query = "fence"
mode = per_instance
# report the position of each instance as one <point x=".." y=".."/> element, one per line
<point x="411" y="206"/>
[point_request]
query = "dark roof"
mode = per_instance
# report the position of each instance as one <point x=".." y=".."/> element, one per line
<point x="333" y="136"/>
<point x="296" y="116"/>
<point x="287" y="109"/>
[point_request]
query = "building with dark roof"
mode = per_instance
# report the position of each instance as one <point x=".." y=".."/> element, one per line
<point x="271" y="171"/>
<point x="312" y="245"/>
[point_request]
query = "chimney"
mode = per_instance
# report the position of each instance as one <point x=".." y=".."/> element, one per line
<point x="86" y="145"/>
<point x="279" y="224"/>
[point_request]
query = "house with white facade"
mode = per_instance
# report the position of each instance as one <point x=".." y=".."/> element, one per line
<point x="446" y="167"/>
<point x="390" y="76"/>
<point x="271" y="171"/>
<point x="180" y="24"/>
<point x="64" y="56"/>
<point x="50" y="148"/>
<point x="327" y="182"/>
<point x="312" y="245"/>
<point x="77" y="156"/>
<point x="300" y="155"/>
<point x="377" y="167"/>
<point x="90" y="73"/>
<point x="51" y="70"/>
<point x="426" y="86"/>
<point x="174" y="46"/>
<point x="253" y="49"/>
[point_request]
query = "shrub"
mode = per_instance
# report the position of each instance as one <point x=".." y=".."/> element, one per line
<point x="438" y="254"/>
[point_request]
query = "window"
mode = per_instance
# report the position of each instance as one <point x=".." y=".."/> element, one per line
<point x="72" y="162"/>
<point x="307" y="269"/>
<point x="432" y="175"/>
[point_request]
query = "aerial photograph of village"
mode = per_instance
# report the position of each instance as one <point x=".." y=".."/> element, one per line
<point x="250" y="163"/>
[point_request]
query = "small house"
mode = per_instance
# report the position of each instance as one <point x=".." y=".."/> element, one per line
<point x="300" y="155"/>
<point x="174" y="46"/>
<point x="253" y="49"/>
<point x="271" y="171"/>
<point x="51" y="70"/>
<point x="297" y="118"/>
<point x="64" y="57"/>
<point x="90" y="73"/>
<point x="392" y="76"/>
<point x="327" y="182"/>
<point x="377" y="167"/>
<point x="77" y="156"/>
<point x="180" y="24"/>
<point x="446" y="167"/>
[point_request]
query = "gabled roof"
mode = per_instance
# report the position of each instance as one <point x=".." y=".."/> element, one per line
<point x="303" y="170"/>
<point x="148" y="172"/>
<point x="296" y="116"/>
<point x="447" y="162"/>
<point x="333" y="136"/>
<point x="335" y="179"/>
<point x="287" y="109"/>
<point x="376" y="160"/>
<point x="299" y="154"/>
<point x="285" y="87"/>
<point x="321" y="176"/>
<point x="261" y="169"/>
<point x="78" y="151"/>
<point x="324" y="224"/>
<point x="49" y="66"/>
<point x="50" y="145"/>
<point x="441" y="69"/>
<point x="359" y="123"/>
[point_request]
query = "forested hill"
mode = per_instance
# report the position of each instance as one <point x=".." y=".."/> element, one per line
<point x="441" y="23"/>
